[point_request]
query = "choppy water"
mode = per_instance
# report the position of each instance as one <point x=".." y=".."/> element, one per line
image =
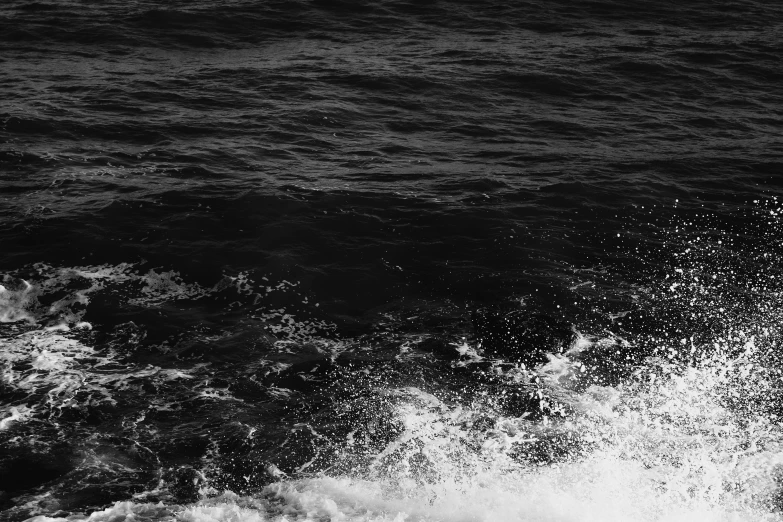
<point x="387" y="260"/>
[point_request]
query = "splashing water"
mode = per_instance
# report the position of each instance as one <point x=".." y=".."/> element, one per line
<point x="665" y="446"/>
<point x="688" y="431"/>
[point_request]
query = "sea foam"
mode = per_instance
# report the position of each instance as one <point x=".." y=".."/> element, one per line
<point x="664" y="449"/>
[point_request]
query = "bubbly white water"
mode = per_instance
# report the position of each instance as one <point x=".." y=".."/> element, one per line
<point x="662" y="447"/>
<point x="49" y="365"/>
<point x="19" y="298"/>
<point x="691" y="434"/>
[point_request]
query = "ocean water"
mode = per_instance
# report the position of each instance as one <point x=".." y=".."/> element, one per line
<point x="387" y="260"/>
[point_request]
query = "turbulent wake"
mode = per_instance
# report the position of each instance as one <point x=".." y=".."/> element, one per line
<point x="521" y="419"/>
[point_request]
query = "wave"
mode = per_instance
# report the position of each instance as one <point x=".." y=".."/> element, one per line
<point x="662" y="447"/>
<point x="664" y="428"/>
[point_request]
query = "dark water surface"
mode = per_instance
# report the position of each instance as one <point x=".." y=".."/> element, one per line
<point x="387" y="260"/>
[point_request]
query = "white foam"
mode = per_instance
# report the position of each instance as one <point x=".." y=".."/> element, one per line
<point x="13" y="414"/>
<point x="19" y="299"/>
<point x="55" y="371"/>
<point x="16" y="298"/>
<point x="682" y="439"/>
<point x="667" y="449"/>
